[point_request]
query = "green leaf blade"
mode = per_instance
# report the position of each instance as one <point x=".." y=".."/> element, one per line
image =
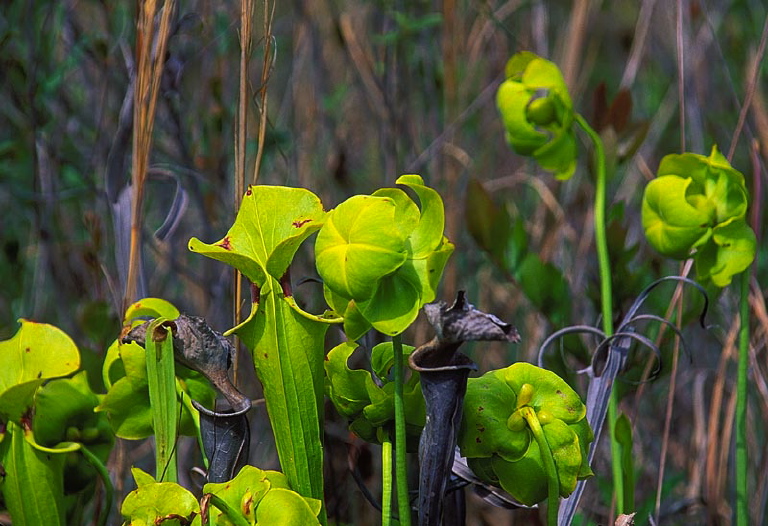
<point x="270" y="226"/>
<point x="288" y="353"/>
<point x="36" y="352"/>
<point x="33" y="483"/>
<point x="671" y="224"/>
<point x="359" y="245"/>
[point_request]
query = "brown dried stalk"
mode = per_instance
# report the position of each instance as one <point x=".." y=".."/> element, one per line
<point x="150" y="59"/>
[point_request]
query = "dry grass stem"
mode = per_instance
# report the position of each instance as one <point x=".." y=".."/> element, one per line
<point x="150" y="60"/>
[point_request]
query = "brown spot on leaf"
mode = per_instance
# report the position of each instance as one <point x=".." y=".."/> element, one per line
<point x="27" y="350"/>
<point x="478" y="440"/>
<point x="249" y="191"/>
<point x="301" y="222"/>
<point x="480" y="408"/>
<point x="266" y="356"/>
<point x="160" y="335"/>
<point x="123" y="333"/>
<point x="225" y="243"/>
<point x="246" y="504"/>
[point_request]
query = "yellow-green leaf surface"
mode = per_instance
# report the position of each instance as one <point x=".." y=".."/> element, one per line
<point x="36" y="353"/>
<point x="381" y="257"/>
<point x="671" y="224"/>
<point x="359" y="245"/>
<point x="502" y="447"/>
<point x="32" y="488"/>
<point x="367" y="403"/>
<point x="271" y="224"/>
<point x="151" y="308"/>
<point x="346" y="387"/>
<point x="537" y="113"/>
<point x="732" y="250"/>
<point x="159" y="503"/>
<point x="716" y="186"/>
<point x="288" y="354"/>
<point x="264" y="498"/>
<point x="64" y="413"/>
<point x="243" y="493"/>
<point x="283" y="507"/>
<point x="429" y="233"/>
<point x="127" y="400"/>
<point x="700" y="203"/>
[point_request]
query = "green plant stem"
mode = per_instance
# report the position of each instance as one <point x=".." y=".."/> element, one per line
<point x="109" y="490"/>
<point x="606" y="297"/>
<point x="742" y="512"/>
<point x="553" y="480"/>
<point x="386" y="480"/>
<point x="401" y="467"/>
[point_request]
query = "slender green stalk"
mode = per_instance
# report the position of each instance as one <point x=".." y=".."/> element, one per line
<point x="606" y="297"/>
<point x="386" y="480"/>
<point x="401" y="467"/>
<point x="742" y="512"/>
<point x="553" y="480"/>
<point x="109" y="490"/>
<point x="161" y="378"/>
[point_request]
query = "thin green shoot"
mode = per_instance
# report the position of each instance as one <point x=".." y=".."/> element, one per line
<point x="742" y="499"/>
<point x="386" y="480"/>
<point x="606" y="296"/>
<point x="401" y="466"/>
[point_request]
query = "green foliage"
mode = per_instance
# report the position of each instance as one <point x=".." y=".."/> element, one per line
<point x="159" y="502"/>
<point x="33" y="485"/>
<point x="288" y="353"/>
<point x="28" y="361"/>
<point x="538" y="113"/>
<point x="623" y="434"/>
<point x="368" y="403"/>
<point x="161" y="381"/>
<point x="64" y="412"/>
<point x="48" y="422"/>
<point x="252" y="497"/>
<point x="264" y="498"/>
<point x="127" y="402"/>
<point x="700" y="203"/>
<point x="498" y="433"/>
<point x="270" y="226"/>
<point x="286" y="343"/>
<point x="381" y="258"/>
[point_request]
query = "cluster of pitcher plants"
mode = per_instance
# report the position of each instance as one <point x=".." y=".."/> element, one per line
<point x="522" y="430"/>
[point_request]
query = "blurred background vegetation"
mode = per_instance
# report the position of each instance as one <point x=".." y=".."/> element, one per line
<point x="355" y="93"/>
